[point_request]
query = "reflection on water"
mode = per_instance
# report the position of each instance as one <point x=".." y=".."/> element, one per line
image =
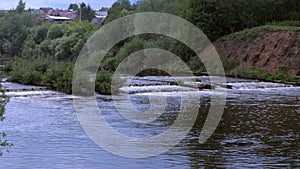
<point x="259" y="129"/>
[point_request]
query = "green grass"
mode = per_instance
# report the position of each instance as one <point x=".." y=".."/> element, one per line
<point x="261" y="75"/>
<point x="281" y="26"/>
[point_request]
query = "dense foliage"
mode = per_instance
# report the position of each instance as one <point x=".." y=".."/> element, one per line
<point x="84" y="12"/>
<point x="14" y="28"/>
<point x="222" y="17"/>
<point x="216" y="18"/>
<point x="43" y="53"/>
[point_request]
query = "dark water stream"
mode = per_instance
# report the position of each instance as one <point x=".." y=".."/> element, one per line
<point x="259" y="129"/>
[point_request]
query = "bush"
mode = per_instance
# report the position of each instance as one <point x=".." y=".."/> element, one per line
<point x="60" y="77"/>
<point x="27" y="72"/>
<point x="32" y="78"/>
<point x="56" y="31"/>
<point x="103" y="82"/>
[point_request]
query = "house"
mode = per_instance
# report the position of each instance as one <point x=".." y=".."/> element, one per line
<point x="46" y="9"/>
<point x="100" y="17"/>
<point x="58" y="19"/>
<point x="55" y="15"/>
<point x="101" y="13"/>
<point x="68" y="13"/>
<point x="37" y="11"/>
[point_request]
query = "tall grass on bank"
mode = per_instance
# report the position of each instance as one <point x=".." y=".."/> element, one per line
<point x="242" y="71"/>
<point x="274" y="26"/>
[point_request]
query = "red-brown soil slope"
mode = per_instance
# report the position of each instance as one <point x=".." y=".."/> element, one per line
<point x="262" y="49"/>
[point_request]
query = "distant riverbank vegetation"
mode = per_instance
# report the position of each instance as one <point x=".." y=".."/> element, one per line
<point x="42" y="53"/>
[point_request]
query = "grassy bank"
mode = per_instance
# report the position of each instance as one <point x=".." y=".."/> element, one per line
<point x="280" y="26"/>
<point x="242" y="71"/>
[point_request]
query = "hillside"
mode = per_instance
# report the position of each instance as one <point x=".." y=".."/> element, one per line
<point x="270" y="49"/>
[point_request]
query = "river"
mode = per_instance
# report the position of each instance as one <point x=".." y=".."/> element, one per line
<point x="259" y="129"/>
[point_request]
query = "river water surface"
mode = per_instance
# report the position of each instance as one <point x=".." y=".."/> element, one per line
<point x="259" y="128"/>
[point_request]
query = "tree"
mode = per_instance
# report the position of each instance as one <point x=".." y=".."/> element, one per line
<point x="166" y="6"/>
<point x="21" y="6"/>
<point x="104" y="9"/>
<point x="114" y="12"/>
<point x="13" y="32"/>
<point x="125" y="4"/>
<point x="56" y="31"/>
<point x="74" y="7"/>
<point x="3" y="101"/>
<point x="86" y="12"/>
<point x="221" y="17"/>
<point x="39" y="33"/>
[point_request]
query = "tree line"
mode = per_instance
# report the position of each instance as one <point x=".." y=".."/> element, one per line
<point x="216" y="18"/>
<point x="43" y="53"/>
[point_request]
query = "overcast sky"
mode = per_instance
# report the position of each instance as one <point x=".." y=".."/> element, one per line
<point x="63" y="4"/>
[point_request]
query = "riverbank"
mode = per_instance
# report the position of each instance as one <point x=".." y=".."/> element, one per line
<point x="267" y="77"/>
<point x="59" y="78"/>
<point x="269" y="53"/>
<point x="53" y="75"/>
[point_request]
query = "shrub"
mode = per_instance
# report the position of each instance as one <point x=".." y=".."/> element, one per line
<point x="60" y="77"/>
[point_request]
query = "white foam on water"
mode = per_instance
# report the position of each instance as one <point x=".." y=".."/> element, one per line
<point x="161" y="88"/>
<point x="31" y="93"/>
<point x="258" y="85"/>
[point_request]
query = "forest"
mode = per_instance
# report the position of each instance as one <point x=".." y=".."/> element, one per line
<point x="41" y="53"/>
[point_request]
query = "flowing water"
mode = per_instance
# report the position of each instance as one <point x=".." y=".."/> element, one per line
<point x="259" y="128"/>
